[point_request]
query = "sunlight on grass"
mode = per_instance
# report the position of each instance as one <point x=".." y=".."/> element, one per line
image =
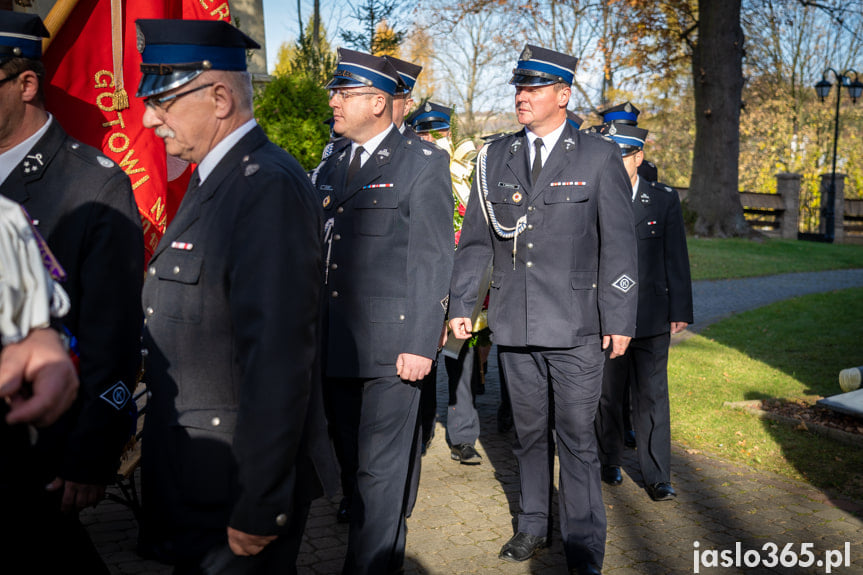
<point x="792" y="349"/>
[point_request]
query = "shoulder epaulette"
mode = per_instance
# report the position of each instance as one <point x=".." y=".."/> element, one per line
<point x="661" y="186"/>
<point x="87" y="153"/>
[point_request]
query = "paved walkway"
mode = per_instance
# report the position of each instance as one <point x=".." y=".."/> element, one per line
<point x="464" y="513"/>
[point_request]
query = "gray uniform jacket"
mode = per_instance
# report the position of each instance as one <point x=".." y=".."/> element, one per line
<point x="665" y="285"/>
<point x="390" y="258"/>
<point x="231" y="308"/>
<point x="575" y="270"/>
<point x="84" y="208"/>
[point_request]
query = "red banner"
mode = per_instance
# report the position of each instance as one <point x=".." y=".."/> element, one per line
<point x="82" y="93"/>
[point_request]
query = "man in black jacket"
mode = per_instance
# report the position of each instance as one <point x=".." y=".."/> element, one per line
<point x="664" y="308"/>
<point x="231" y="310"/>
<point x="82" y="204"/>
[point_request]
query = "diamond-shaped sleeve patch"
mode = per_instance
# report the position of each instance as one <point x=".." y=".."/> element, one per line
<point x="117" y="395"/>
<point x="624" y="283"/>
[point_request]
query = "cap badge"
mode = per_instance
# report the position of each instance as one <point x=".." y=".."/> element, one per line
<point x="612" y="130"/>
<point x="140" y="42"/>
<point x="526" y="54"/>
<point x="627" y="107"/>
<point x="427" y="107"/>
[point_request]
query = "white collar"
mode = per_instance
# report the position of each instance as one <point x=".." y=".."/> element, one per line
<point x="220" y="150"/>
<point x="11" y="158"/>
<point x="548" y="141"/>
<point x="371" y="145"/>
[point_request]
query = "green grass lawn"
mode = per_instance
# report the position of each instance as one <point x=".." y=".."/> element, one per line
<point x="792" y="349"/>
<point x="737" y="258"/>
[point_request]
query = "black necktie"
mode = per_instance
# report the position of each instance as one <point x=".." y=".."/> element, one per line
<point x="194" y="182"/>
<point x="537" y="160"/>
<point x="355" y="165"/>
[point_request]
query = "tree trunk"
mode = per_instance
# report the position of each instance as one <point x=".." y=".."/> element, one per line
<point x="316" y="28"/>
<point x="717" y="75"/>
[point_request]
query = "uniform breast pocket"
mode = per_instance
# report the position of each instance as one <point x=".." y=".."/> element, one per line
<point x="180" y="293"/>
<point x="376" y="211"/>
<point x="650" y="230"/>
<point x="507" y="201"/>
<point x="568" y="209"/>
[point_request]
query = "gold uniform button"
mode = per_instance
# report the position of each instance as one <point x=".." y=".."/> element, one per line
<point x="593" y="286"/>
<point x="176" y="270"/>
<point x="216" y="422"/>
<point x="530" y="226"/>
<point x="337" y="237"/>
<point x="530" y="246"/>
<point x="150" y="311"/>
<point x="340" y="209"/>
<point x="529" y="264"/>
<point x="152" y="270"/>
<point x="531" y="208"/>
<point x="335" y="294"/>
<point x="334" y="266"/>
<point x="281" y="519"/>
<point x="402" y="317"/>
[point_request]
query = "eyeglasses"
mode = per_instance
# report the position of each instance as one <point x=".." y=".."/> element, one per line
<point x="345" y="94"/>
<point x="159" y="104"/>
<point x="9" y="78"/>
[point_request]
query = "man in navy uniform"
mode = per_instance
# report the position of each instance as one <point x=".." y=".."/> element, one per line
<point x="82" y="204"/>
<point x="388" y="207"/>
<point x="431" y="121"/>
<point x="562" y="291"/>
<point x="574" y="119"/>
<point x="627" y="114"/>
<point x="664" y="308"/>
<point x="231" y="309"/>
<point x="402" y="99"/>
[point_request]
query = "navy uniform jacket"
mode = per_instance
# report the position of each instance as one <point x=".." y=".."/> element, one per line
<point x="85" y="210"/>
<point x="574" y="276"/>
<point x="231" y="310"/>
<point x="391" y="255"/>
<point x="665" y="286"/>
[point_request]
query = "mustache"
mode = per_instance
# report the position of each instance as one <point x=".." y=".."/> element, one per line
<point x="165" y="132"/>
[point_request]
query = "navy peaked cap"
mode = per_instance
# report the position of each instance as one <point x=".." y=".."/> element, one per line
<point x="174" y="52"/>
<point x="625" y="113"/>
<point x="408" y="71"/>
<point x="21" y="35"/>
<point x="356" y="69"/>
<point x="430" y="117"/>
<point x="628" y="137"/>
<point x="540" y="66"/>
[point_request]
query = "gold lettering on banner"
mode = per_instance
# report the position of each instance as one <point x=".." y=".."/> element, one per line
<point x="222" y="11"/>
<point x="119" y="142"/>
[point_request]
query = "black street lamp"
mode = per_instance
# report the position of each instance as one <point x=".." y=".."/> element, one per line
<point x="822" y="88"/>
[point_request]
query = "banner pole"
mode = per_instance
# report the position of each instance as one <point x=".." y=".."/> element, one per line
<point x="56" y="18"/>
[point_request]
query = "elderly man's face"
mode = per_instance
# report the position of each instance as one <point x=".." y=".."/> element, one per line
<point x="184" y="119"/>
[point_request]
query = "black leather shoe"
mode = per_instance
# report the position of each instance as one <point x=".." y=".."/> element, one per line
<point x="629" y="439"/>
<point x="611" y="474"/>
<point x="661" y="491"/>
<point x="466" y="454"/>
<point x="343" y="515"/>
<point x="521" y="547"/>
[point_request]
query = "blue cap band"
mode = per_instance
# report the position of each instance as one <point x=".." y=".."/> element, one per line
<point x="374" y="77"/>
<point x="231" y="58"/>
<point x="546" y="69"/>
<point x="31" y="46"/>
<point x="620" y="115"/>
<point x="628" y="140"/>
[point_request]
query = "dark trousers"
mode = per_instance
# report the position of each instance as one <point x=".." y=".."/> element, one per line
<point x="386" y="413"/>
<point x="558" y="387"/>
<point x="645" y="364"/>
<point x="36" y="537"/>
<point x="428" y="417"/>
<point x="462" y="420"/>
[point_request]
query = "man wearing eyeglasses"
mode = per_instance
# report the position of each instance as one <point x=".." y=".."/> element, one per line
<point x="82" y="204"/>
<point x="231" y="306"/>
<point x="388" y="210"/>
